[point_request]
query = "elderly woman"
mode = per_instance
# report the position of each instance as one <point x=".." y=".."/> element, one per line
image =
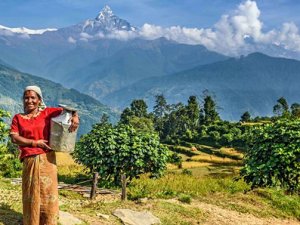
<point x="30" y="130"/>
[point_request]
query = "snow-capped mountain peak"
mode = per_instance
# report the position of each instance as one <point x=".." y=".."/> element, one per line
<point x="105" y="13"/>
<point x="105" y="22"/>
<point x="24" y="30"/>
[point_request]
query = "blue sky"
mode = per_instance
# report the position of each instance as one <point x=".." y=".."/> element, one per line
<point x="188" y="13"/>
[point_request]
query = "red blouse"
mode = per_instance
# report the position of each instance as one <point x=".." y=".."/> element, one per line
<point x="36" y="128"/>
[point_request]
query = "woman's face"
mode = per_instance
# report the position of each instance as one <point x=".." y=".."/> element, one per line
<point x="31" y="101"/>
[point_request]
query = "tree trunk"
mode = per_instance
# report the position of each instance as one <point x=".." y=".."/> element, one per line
<point x="94" y="186"/>
<point x="124" y="194"/>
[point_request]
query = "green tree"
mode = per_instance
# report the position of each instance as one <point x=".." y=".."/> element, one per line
<point x="113" y="151"/>
<point x="176" y="123"/>
<point x="160" y="112"/>
<point x="138" y="108"/>
<point x="125" y="116"/>
<point x="281" y="108"/>
<point x="161" y="107"/>
<point x="295" y="110"/>
<point x="246" y="117"/>
<point x="272" y="157"/>
<point x="142" y="124"/>
<point x="210" y="112"/>
<point x="193" y="112"/>
<point x="104" y="119"/>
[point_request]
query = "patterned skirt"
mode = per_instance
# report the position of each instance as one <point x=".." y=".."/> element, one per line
<point x="39" y="190"/>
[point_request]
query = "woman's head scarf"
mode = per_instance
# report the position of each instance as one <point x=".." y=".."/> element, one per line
<point x="37" y="90"/>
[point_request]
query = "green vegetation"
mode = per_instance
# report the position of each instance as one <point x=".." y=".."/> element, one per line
<point x="115" y="150"/>
<point x="273" y="156"/>
<point x="199" y="162"/>
<point x="9" y="163"/>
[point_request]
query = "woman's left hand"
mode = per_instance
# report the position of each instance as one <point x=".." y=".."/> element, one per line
<point x="74" y="122"/>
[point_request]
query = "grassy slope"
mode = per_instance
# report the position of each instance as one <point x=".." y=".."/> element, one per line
<point x="208" y="183"/>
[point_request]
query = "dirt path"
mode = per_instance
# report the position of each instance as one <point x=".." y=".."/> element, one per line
<point x="220" y="216"/>
<point x="215" y="216"/>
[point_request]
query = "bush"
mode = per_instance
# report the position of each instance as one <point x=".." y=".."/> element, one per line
<point x="273" y="154"/>
<point x="112" y="151"/>
<point x="9" y="163"/>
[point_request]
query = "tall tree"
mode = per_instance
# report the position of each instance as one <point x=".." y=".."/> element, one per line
<point x="295" y="110"/>
<point x="281" y="108"/>
<point x="104" y="119"/>
<point x="125" y="116"/>
<point x="160" y="111"/>
<point x="138" y="108"/>
<point x="161" y="106"/>
<point x="210" y="113"/>
<point x="142" y="124"/>
<point x="246" y="117"/>
<point x="193" y="112"/>
<point x="176" y="122"/>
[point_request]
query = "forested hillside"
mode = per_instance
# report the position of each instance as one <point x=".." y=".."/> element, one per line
<point x="13" y="82"/>
<point x="252" y="83"/>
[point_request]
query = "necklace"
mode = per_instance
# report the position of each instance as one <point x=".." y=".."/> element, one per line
<point x="32" y="115"/>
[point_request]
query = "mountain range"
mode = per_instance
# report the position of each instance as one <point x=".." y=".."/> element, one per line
<point x="13" y="82"/>
<point x="106" y="59"/>
<point x="252" y="83"/>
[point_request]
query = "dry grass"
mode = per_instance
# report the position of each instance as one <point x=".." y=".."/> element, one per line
<point x="231" y="152"/>
<point x="64" y="159"/>
<point x="203" y="157"/>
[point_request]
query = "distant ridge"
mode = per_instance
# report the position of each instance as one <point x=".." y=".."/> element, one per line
<point x="252" y="83"/>
<point x="13" y="82"/>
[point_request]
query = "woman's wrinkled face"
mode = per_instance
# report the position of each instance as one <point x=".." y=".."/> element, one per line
<point x="31" y="101"/>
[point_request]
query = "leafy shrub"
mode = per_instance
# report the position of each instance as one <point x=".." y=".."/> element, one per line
<point x="112" y="151"/>
<point x="9" y="163"/>
<point x="273" y="154"/>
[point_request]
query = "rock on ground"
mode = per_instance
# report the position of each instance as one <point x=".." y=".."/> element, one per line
<point x="130" y="217"/>
<point x="68" y="219"/>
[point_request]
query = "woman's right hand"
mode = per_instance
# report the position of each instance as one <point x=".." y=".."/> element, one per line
<point x="41" y="144"/>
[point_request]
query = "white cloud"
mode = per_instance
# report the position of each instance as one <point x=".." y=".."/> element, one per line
<point x="289" y="37"/>
<point x="231" y="34"/>
<point x="71" y="40"/>
<point x="24" y="36"/>
<point x="122" y="35"/>
<point x="237" y="33"/>
<point x="5" y="32"/>
<point x="85" y="37"/>
<point x="100" y="35"/>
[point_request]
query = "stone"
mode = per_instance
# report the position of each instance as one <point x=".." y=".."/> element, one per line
<point x="130" y="217"/>
<point x="103" y="216"/>
<point x="86" y="195"/>
<point x="193" y="148"/>
<point x="68" y="219"/>
<point x="142" y="200"/>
